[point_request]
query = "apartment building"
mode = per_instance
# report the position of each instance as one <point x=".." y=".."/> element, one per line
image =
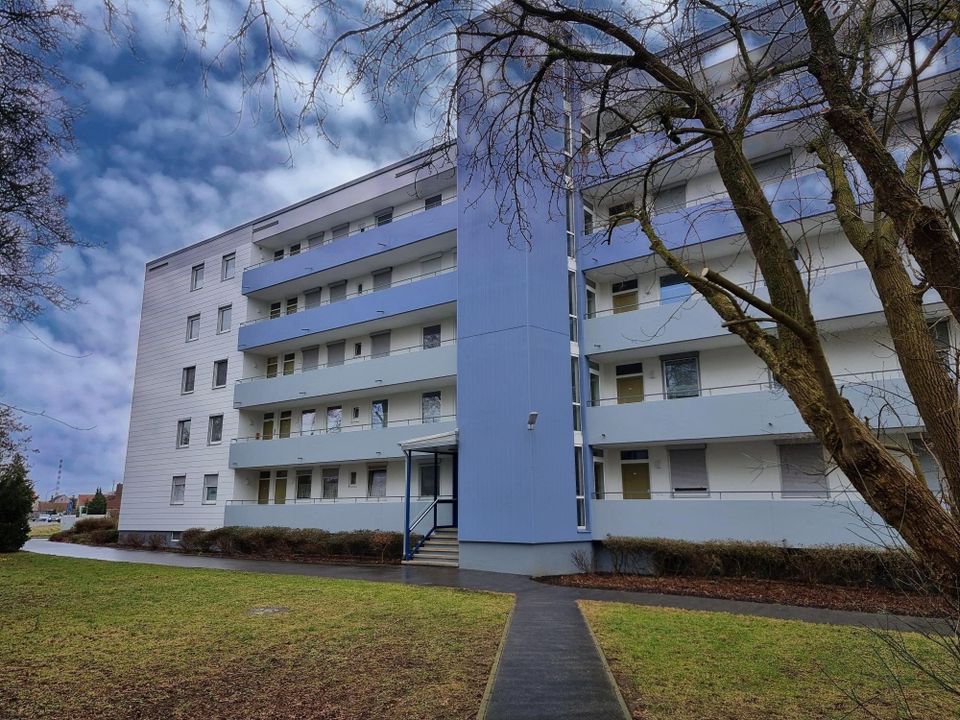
<point x="383" y="356"/>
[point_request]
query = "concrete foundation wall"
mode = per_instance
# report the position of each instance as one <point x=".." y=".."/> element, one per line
<point x="522" y="559"/>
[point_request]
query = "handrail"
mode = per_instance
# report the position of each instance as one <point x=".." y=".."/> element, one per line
<point x="349" y="296"/>
<point x="387" y="423"/>
<point x="347" y="361"/>
<point x="356" y="231"/>
<point x="359" y="499"/>
<point x="426" y="511"/>
<point x="861" y="378"/>
<point x="695" y="296"/>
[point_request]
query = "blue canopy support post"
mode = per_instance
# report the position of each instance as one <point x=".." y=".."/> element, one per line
<point x="456" y="517"/>
<point x="407" y="555"/>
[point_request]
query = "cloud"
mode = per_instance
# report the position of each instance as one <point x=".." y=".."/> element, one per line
<point x="160" y="163"/>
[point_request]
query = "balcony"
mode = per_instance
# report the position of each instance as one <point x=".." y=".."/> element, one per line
<point x="835" y="292"/>
<point x="335" y="515"/>
<point x="755" y="410"/>
<point x="792" y="198"/>
<point x="795" y="523"/>
<point x="405" y="365"/>
<point x="361" y="243"/>
<point x="352" y="443"/>
<point x="403" y="296"/>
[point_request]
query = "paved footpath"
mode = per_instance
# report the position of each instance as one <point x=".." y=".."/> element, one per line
<point x="550" y="668"/>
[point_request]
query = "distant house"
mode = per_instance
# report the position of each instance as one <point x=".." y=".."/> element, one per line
<point x="113" y="501"/>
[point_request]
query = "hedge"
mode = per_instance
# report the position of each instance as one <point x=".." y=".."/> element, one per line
<point x="848" y="565"/>
<point x="89" y="531"/>
<point x="375" y="545"/>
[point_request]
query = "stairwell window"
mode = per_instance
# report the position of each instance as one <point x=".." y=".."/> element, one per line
<point x="228" y="266"/>
<point x="196" y="277"/>
<point x="215" y="430"/>
<point x="178" y="489"/>
<point x="188" y="379"/>
<point x="193" y="327"/>
<point x="219" y="374"/>
<point x="580" y="488"/>
<point x="224" y="319"/>
<point x="210" y="489"/>
<point x="183" y="433"/>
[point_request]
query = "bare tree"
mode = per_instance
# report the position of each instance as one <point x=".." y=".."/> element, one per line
<point x="35" y="128"/>
<point x="860" y="81"/>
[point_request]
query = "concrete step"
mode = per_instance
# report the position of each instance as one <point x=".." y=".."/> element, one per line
<point x="442" y="542"/>
<point x="432" y="562"/>
<point x="438" y="553"/>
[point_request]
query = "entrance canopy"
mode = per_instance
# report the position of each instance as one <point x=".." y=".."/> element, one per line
<point x="442" y="443"/>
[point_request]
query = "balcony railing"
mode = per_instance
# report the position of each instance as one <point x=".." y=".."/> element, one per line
<point x="857" y="378"/>
<point x="349" y="296"/>
<point x="356" y="231"/>
<point x="362" y="499"/>
<point x="351" y="427"/>
<point x="298" y="369"/>
<point x="751" y="286"/>
<point x="830" y="495"/>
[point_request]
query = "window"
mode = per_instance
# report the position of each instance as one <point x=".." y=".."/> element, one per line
<point x="286" y="420"/>
<point x="275" y="310"/>
<point x="587" y="218"/>
<point x="594" y="383"/>
<point x="382" y="279"/>
<point x="669" y="199"/>
<point x="431" y="265"/>
<point x="380" y="344"/>
<point x="434" y="201"/>
<point x="940" y="333"/>
<point x="430" y="405"/>
<point x="304" y="484"/>
<point x="377" y="482"/>
<point x="929" y="466"/>
<point x="220" y="374"/>
<point x="193" y="327"/>
<point x="209" y="489"/>
<point x="673" y="289"/>
<point x="580" y="488"/>
<point x="315" y="240"/>
<point x="278" y="255"/>
<point x="681" y="377"/>
<point x="272" y="366"/>
<point x="591" y="288"/>
<point x="625" y="297"/>
<point x="311" y="357"/>
<point x="428" y="480"/>
<point x="228" y="266"/>
<point x="571" y="226"/>
<point x="378" y="413"/>
<point x="335" y="352"/>
<point x="621" y="213"/>
<point x="803" y="471"/>
<point x="338" y="291"/>
<point x="196" y="277"/>
<point x="772" y="168"/>
<point x="384" y="217"/>
<point x="308" y="421"/>
<point x="292" y="305"/>
<point x="289" y="363"/>
<point x="183" y="433"/>
<point x="572" y="305"/>
<point x="334" y="418"/>
<point x="340" y="231"/>
<point x="575" y="384"/>
<point x="353" y="479"/>
<point x="618" y="134"/>
<point x="311" y="298"/>
<point x="215" y="430"/>
<point x="688" y="471"/>
<point x="178" y="489"/>
<point x="267" y="427"/>
<point x="431" y="337"/>
<point x="598" y="474"/>
<point x="357" y="350"/>
<point x="224" y="319"/>
<point x="331" y="482"/>
<point x="187" y="379"/>
<point x="294" y="249"/>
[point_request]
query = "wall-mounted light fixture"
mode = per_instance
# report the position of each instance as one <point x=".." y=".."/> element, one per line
<point x="532" y="419"/>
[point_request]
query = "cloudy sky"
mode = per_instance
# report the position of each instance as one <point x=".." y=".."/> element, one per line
<point x="160" y="162"/>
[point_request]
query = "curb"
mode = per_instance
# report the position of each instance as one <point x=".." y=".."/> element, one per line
<point x="606" y="666"/>
<point x="495" y="667"/>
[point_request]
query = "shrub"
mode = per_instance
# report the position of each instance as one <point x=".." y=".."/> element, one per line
<point x="90" y="531"/>
<point x="376" y="545"/>
<point x="132" y="540"/>
<point x="829" y="564"/>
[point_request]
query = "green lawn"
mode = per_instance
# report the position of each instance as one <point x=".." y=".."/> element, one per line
<point x="85" y="639"/>
<point x="683" y="665"/>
